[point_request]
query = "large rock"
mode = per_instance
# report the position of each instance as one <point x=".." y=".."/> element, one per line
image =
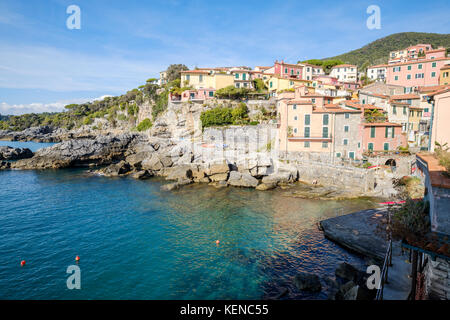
<point x="219" y="177"/>
<point x="348" y="272"/>
<point x="307" y="282"/>
<point x="135" y="160"/>
<point x="115" y="169"/>
<point x="142" y="175"/>
<point x="9" y="153"/>
<point x="217" y="168"/>
<point x="180" y="173"/>
<point x="99" y="151"/>
<point x="238" y="179"/>
<point x="266" y="186"/>
<point x="279" y="178"/>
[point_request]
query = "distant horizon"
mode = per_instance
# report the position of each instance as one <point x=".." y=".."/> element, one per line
<point x="45" y="66"/>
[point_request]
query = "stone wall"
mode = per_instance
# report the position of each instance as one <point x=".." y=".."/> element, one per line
<point x="403" y="163"/>
<point x="437" y="279"/>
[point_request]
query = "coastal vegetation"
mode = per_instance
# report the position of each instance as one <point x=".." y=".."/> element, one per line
<point x="225" y="116"/>
<point x="377" y="52"/>
<point x="144" y="125"/>
<point x="231" y="92"/>
<point x="443" y="155"/>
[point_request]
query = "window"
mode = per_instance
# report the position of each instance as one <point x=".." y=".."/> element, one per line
<point x="370" y="146"/>
<point x="325" y="119"/>
<point x="433" y="74"/>
<point x="404" y="110"/>
<point x="295" y="130"/>
<point x="372" y="132"/>
<point x="236" y="75"/>
<point x="345" y="128"/>
<point x="307" y="119"/>
<point x="394" y="109"/>
<point x="313" y="100"/>
<point x="271" y="84"/>
<point x="295" y="118"/>
<point x="345" y="142"/>
<point x="347" y="115"/>
<point x="425" y="110"/>
<point x="386" y="146"/>
<point x="307" y="132"/>
<point x="292" y="71"/>
<point x="419" y="66"/>
<point x="324" y="144"/>
<point x="351" y="154"/>
<point x="188" y="77"/>
<point x="433" y="64"/>
<point x="200" y="78"/>
<point x="285" y="70"/>
<point x="244" y="76"/>
<point x="396" y="78"/>
<point x="294" y="107"/>
<point x="338" y="154"/>
<point x="359" y="145"/>
<point x="306" y="144"/>
<point x="325" y="132"/>
<point x="238" y="85"/>
<point x="408" y="77"/>
<point x="409" y="67"/>
<point x="211" y="93"/>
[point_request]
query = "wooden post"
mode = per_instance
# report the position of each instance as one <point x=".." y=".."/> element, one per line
<point x="414" y="275"/>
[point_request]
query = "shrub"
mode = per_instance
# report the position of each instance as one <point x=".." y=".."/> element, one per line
<point x="144" y="125"/>
<point x="240" y="112"/>
<point x="411" y="220"/>
<point x="216" y="117"/>
<point x="253" y="123"/>
<point x="231" y="92"/>
<point x="443" y="155"/>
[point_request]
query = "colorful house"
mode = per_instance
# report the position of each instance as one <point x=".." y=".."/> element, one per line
<point x="444" y="78"/>
<point x="287" y="70"/>
<point x="199" y="95"/>
<point x="201" y="79"/>
<point x="382" y="136"/>
<point x="412" y="74"/>
<point x="377" y="72"/>
<point x="440" y="128"/>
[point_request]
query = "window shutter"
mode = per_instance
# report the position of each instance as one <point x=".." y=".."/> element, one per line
<point x="386" y="132"/>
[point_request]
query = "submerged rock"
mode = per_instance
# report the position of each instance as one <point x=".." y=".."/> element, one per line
<point x="307" y="282"/>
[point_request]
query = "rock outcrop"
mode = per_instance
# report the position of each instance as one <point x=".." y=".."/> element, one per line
<point x="102" y="150"/>
<point x="9" y="153"/>
<point x="238" y="179"/>
<point x="307" y="282"/>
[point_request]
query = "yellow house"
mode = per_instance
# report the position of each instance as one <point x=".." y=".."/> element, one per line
<point x="277" y="84"/>
<point x="200" y="79"/>
<point x="444" y="79"/>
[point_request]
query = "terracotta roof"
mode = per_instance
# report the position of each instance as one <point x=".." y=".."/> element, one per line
<point x="430" y="88"/>
<point x="417" y="61"/>
<point x="436" y="171"/>
<point x="443" y="90"/>
<point x="445" y="67"/>
<point x="300" y="102"/>
<point x="381" y="124"/>
<point x="405" y="96"/>
<point x="374" y="94"/>
<point x="195" y="71"/>
<point x="343" y="66"/>
<point x="435" y="50"/>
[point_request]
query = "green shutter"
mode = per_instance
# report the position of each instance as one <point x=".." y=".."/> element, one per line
<point x="393" y="132"/>
<point x="386" y="146"/>
<point x="372" y="132"/>
<point x="386" y="132"/>
<point x="307" y="132"/>
<point x="325" y="119"/>
<point x="325" y="132"/>
<point x="370" y="146"/>
<point x="307" y="119"/>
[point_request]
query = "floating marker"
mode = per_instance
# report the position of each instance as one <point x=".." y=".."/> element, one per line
<point x="217" y="242"/>
<point x="22" y="263"/>
<point x="77" y="258"/>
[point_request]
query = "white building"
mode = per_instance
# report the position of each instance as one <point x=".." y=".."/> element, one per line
<point x="345" y="72"/>
<point x="377" y="73"/>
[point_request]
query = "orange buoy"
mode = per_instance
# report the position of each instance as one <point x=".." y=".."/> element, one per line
<point x="217" y="242"/>
<point x="77" y="258"/>
<point x="22" y="263"/>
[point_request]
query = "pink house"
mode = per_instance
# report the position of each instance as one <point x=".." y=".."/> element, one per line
<point x="384" y="136"/>
<point x="196" y="95"/>
<point x="286" y="70"/>
<point x="421" y="72"/>
<point x="324" y="79"/>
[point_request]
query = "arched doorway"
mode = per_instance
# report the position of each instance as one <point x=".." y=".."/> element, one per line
<point x="391" y="162"/>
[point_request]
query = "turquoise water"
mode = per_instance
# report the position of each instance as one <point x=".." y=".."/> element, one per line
<point x="136" y="242"/>
<point x="33" y="146"/>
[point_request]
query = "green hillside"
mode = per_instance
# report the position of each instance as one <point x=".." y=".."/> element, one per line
<point x="377" y="52"/>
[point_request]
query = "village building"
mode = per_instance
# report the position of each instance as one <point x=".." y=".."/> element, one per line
<point x="440" y="115"/>
<point x="345" y="72"/>
<point x="202" y="79"/>
<point x="444" y="78"/>
<point x="377" y="73"/>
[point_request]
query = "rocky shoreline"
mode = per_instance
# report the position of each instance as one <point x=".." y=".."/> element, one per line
<point x="142" y="157"/>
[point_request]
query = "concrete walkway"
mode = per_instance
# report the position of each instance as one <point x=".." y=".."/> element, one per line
<point x="399" y="284"/>
<point x="357" y="232"/>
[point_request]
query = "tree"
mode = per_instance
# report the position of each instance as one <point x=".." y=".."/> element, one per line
<point x="259" y="85"/>
<point x="174" y="71"/>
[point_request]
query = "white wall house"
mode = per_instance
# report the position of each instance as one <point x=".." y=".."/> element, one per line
<point x="377" y="73"/>
<point x="345" y="72"/>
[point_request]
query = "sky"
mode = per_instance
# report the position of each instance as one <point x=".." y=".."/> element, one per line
<point x="120" y="44"/>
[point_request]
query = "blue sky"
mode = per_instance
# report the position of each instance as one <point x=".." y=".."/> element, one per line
<point x="44" y="65"/>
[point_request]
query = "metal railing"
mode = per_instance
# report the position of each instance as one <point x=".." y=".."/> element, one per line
<point x="385" y="271"/>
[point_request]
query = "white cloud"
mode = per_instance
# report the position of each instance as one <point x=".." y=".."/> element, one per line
<point x="38" y="107"/>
